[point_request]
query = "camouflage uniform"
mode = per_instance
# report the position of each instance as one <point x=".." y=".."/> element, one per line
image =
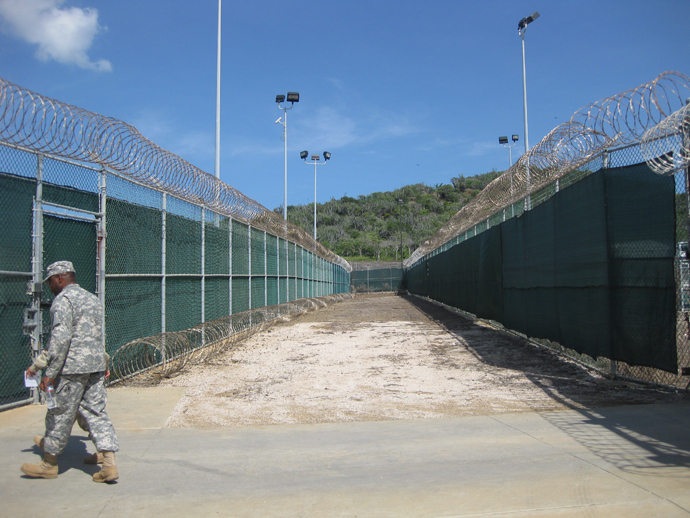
<point x="76" y="357"/>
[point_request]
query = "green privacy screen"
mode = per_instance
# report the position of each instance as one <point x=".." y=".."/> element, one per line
<point x="592" y="268"/>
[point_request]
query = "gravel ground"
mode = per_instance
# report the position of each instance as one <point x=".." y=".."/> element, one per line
<point x="383" y="357"/>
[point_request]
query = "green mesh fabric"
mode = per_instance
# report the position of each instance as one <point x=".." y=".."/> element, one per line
<point x="183" y="245"/>
<point x="134" y="239"/>
<point x="240" y="249"/>
<point x="217" y="300"/>
<point x="16" y="201"/>
<point x="132" y="310"/>
<point x="591" y="267"/>
<point x="182" y="303"/>
<point x="217" y="247"/>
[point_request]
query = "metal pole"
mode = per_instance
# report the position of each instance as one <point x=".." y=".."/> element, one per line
<point x="217" y="168"/>
<point x="102" y="247"/>
<point x="285" y="187"/>
<point x="315" y="200"/>
<point x="164" y="213"/>
<point x="524" y="107"/>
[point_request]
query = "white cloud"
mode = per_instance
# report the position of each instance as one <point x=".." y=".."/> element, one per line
<point x="331" y="128"/>
<point x="63" y="34"/>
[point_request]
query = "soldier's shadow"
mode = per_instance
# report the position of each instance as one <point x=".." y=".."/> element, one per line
<point x="72" y="457"/>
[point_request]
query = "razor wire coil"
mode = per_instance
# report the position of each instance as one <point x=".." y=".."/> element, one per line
<point x="648" y="115"/>
<point x="45" y="125"/>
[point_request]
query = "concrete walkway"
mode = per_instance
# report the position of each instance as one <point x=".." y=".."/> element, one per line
<point x="627" y="462"/>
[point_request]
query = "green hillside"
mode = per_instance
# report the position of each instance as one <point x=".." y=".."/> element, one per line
<point x="369" y="227"/>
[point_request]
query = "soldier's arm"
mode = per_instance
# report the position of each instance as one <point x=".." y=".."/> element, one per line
<point x="60" y="337"/>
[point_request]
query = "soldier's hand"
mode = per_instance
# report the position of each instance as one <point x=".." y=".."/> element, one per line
<point x="45" y="381"/>
<point x="30" y="373"/>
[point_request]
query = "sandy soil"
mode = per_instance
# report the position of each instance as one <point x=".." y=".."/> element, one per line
<point x="387" y="357"/>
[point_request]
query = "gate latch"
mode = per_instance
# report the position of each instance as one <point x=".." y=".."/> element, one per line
<point x="30" y="320"/>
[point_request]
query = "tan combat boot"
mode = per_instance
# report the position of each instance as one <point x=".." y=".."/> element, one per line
<point x="47" y="468"/>
<point x="109" y="471"/>
<point x="94" y="458"/>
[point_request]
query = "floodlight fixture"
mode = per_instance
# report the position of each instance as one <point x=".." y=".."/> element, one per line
<point x="315" y="159"/>
<point x="522" y="24"/>
<point x="504" y="140"/>
<point x="522" y="27"/>
<point x="292" y="98"/>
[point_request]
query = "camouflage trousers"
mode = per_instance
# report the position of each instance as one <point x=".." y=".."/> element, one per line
<point x="85" y="393"/>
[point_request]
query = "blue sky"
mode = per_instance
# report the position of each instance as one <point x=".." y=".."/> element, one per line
<point x="399" y="91"/>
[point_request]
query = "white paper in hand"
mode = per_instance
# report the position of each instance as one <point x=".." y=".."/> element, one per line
<point x="32" y="381"/>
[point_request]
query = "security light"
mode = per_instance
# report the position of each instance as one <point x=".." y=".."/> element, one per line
<point x="502" y="140"/>
<point x="527" y="20"/>
<point x="516" y="138"/>
<point x="293" y="97"/>
<point x="326" y="155"/>
<point x="315" y="158"/>
<point x="304" y="154"/>
<point x="280" y="98"/>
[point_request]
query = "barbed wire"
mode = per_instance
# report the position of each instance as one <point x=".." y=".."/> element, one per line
<point x="615" y="121"/>
<point x="45" y="125"/>
<point x="666" y="146"/>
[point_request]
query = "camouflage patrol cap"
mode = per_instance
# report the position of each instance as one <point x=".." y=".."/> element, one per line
<point x="57" y="268"/>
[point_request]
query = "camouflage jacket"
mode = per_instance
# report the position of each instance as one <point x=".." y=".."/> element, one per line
<point x="76" y="334"/>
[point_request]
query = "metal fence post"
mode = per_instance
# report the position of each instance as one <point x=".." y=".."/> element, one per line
<point x="203" y="274"/>
<point x="230" y="266"/>
<point x="102" y="249"/>
<point x="164" y="213"/>
<point x="37" y="269"/>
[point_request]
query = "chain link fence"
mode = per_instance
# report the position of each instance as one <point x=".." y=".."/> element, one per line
<point x="368" y="277"/>
<point x="160" y="264"/>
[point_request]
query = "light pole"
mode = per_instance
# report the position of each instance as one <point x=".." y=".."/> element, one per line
<point x="504" y="141"/>
<point x="326" y="157"/>
<point x="292" y="98"/>
<point x="400" y="222"/>
<point x="522" y="27"/>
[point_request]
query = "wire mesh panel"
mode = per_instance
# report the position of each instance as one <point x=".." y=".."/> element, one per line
<point x="134" y="239"/>
<point x="182" y="303"/>
<point x="240" y="249"/>
<point x="283" y="289"/>
<point x="240" y="294"/>
<point x="16" y="198"/>
<point x="272" y="255"/>
<point x="15" y="348"/>
<point x="258" y="292"/>
<point x="258" y="256"/>
<point x="272" y="291"/>
<point x="217" y="298"/>
<point x="217" y="245"/>
<point x="132" y="310"/>
<point x="183" y="245"/>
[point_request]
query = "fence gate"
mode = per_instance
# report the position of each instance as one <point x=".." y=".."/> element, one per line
<point x="67" y="225"/>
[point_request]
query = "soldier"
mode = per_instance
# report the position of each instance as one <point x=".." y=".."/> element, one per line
<point x="76" y="359"/>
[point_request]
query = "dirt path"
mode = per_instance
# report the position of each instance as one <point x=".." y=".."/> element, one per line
<point x="387" y="357"/>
